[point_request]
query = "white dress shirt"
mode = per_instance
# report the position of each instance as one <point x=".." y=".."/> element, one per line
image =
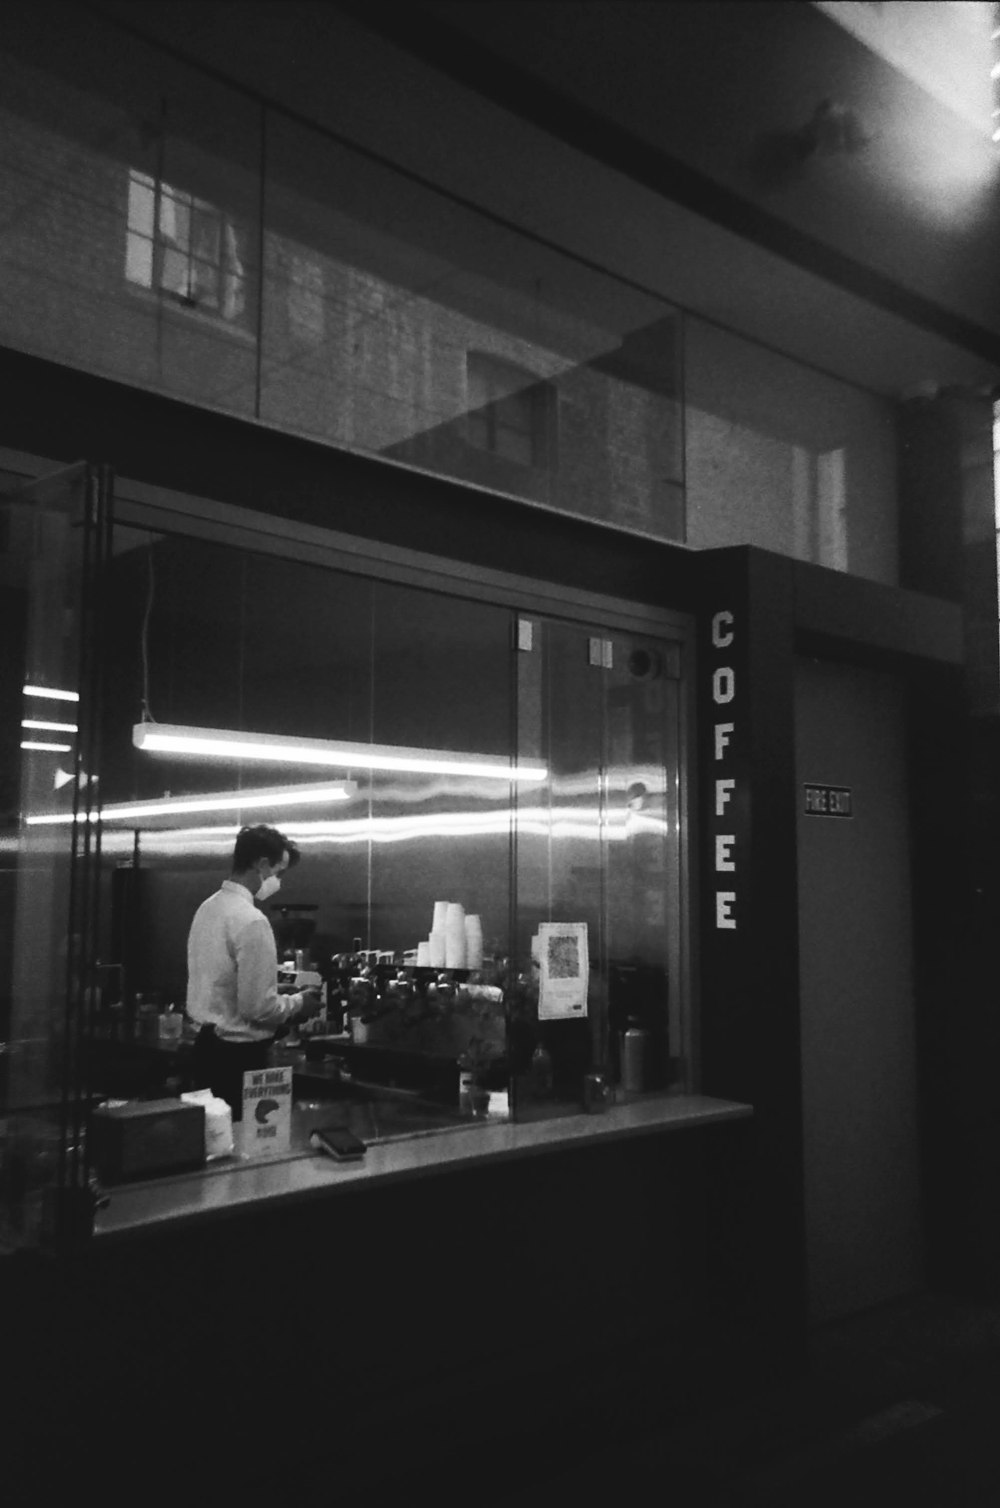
<point x="233" y="968"/>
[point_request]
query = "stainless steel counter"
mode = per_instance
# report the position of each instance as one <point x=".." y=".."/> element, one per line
<point x="241" y="1183"/>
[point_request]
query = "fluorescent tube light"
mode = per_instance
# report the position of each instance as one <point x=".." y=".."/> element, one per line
<point x="275" y="748"/>
<point x="42" y="726"/>
<point x="52" y="693"/>
<point x="219" y="801"/>
<point x="28" y="743"/>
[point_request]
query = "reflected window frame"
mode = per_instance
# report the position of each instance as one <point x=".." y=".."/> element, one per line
<point x="510" y="411"/>
<point x="185" y="249"/>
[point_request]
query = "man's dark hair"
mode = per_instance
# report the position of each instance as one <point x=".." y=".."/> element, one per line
<point x="253" y="843"/>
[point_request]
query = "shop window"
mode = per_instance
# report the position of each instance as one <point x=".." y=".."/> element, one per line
<point x="510" y="412"/>
<point x="183" y="247"/>
<point x="489" y="888"/>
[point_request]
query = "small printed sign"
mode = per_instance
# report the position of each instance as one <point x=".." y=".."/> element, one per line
<point x="564" y="970"/>
<point x="828" y="801"/>
<point x="267" y="1111"/>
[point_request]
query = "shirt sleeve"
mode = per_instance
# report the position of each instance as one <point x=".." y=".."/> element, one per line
<point x="257" y="998"/>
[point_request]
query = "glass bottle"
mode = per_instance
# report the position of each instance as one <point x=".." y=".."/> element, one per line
<point x="465" y="1081"/>
<point x="541" y="1071"/>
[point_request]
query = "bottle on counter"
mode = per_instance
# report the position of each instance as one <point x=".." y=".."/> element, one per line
<point x="635" y="1055"/>
<point x="171" y="1024"/>
<point x="465" y="1082"/>
<point x="147" y="1019"/>
<point x="541" y="1071"/>
<point x="336" y="1015"/>
<point x="116" y="1020"/>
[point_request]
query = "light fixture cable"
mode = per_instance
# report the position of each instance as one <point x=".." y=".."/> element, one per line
<point x="147" y="715"/>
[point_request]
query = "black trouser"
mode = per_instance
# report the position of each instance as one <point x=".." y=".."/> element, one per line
<point x="219" y="1065"/>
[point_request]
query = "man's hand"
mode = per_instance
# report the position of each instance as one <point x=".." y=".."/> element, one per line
<point x="312" y="1004"/>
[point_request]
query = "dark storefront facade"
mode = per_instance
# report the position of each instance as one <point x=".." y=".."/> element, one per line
<point x="304" y="449"/>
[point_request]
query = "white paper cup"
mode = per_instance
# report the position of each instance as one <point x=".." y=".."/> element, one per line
<point x="454" y="934"/>
<point x="436" y="949"/>
<point x="473" y="942"/>
<point x="455" y="952"/>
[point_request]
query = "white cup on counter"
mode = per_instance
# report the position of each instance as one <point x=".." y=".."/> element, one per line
<point x="473" y="942"/>
<point x="437" y="949"/>
<point x="454" y="937"/>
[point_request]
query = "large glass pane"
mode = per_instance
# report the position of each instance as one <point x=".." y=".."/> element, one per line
<point x="51" y="546"/>
<point x="787" y="458"/>
<point x="131" y="188"/>
<point x="643" y="861"/>
<point x="598" y="867"/>
<point x="427" y="894"/>
<point x="399" y="322"/>
<point x="142" y="197"/>
<point x="211" y="637"/>
<point x="442" y="679"/>
<point x="208" y="636"/>
<point x="560" y="876"/>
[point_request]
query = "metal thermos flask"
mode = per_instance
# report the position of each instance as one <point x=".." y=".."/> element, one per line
<point x="635" y="1049"/>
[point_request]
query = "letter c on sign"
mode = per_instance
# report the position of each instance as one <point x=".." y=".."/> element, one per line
<point x="722" y="630"/>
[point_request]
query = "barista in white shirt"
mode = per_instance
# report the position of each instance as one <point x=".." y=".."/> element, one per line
<point x="233" y="969"/>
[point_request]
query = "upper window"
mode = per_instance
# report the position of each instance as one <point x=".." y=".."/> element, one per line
<point x="510" y="411"/>
<point x="183" y="247"/>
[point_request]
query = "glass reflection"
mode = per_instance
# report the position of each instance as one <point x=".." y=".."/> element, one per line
<point x="209" y="636"/>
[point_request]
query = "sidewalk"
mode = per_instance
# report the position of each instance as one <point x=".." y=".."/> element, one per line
<point x="901" y="1404"/>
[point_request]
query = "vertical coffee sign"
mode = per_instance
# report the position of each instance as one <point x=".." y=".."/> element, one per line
<point x="723" y="787"/>
<point x="729" y="897"/>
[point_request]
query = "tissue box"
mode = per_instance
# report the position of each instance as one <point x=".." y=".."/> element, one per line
<point x="218" y="1122"/>
<point x="140" y="1138"/>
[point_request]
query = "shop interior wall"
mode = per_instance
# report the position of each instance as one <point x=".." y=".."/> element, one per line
<point x="864" y="1235"/>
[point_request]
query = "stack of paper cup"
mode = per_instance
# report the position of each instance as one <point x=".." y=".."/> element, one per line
<point x="436" y="950"/>
<point x="424" y="955"/>
<point x="436" y="944"/>
<point x="454" y="936"/>
<point x="473" y="942"/>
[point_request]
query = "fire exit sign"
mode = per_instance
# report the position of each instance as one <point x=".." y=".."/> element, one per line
<point x="828" y="801"/>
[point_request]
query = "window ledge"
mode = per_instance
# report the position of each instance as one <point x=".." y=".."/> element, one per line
<point x="189" y="315"/>
<point x="164" y="1204"/>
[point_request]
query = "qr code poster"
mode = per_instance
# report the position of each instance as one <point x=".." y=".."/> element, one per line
<point x="564" y="969"/>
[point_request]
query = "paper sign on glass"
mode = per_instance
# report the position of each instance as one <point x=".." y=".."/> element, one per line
<point x="564" y="970"/>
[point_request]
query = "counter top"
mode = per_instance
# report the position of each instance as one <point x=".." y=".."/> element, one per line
<point x="166" y="1203"/>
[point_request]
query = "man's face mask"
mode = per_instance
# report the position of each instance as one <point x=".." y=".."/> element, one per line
<point x="269" y="887"/>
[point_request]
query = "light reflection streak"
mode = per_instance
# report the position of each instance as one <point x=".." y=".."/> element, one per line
<point x="272" y="748"/>
<point x="584" y="824"/>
